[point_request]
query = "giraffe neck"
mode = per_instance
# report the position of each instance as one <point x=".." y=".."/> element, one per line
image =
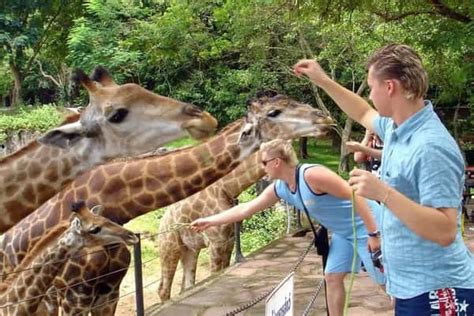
<point x="246" y="174"/>
<point x="161" y="181"/>
<point x="30" y="281"/>
<point x="35" y="173"/>
<point x="139" y="186"/>
<point x="128" y="189"/>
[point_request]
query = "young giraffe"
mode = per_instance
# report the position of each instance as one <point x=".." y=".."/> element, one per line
<point x="131" y="188"/>
<point x="23" y="291"/>
<point x="120" y="121"/>
<point x="185" y="244"/>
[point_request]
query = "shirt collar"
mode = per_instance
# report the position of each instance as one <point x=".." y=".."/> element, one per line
<point x="407" y="128"/>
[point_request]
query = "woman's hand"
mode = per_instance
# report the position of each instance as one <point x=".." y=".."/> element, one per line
<point x="201" y="224"/>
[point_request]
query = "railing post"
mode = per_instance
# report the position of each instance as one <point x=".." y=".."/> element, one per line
<point x="137" y="258"/>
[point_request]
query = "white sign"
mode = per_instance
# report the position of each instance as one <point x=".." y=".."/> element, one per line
<point x="280" y="301"/>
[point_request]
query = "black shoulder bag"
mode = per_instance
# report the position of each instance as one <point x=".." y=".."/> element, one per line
<point x="321" y="241"/>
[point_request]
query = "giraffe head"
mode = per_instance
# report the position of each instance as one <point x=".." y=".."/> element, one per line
<point x="271" y="115"/>
<point x="89" y="228"/>
<point x="126" y="120"/>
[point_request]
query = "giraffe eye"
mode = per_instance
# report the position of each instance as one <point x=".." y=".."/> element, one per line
<point x="95" y="230"/>
<point x="273" y="113"/>
<point x="118" y="116"/>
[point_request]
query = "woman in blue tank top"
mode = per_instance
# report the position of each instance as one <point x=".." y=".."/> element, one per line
<point x="327" y="199"/>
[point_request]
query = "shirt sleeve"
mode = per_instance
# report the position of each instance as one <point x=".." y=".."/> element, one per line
<point x="380" y="125"/>
<point x="440" y="172"/>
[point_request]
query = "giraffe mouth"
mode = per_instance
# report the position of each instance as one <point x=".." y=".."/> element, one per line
<point x="131" y="239"/>
<point x="203" y="127"/>
<point x="318" y="130"/>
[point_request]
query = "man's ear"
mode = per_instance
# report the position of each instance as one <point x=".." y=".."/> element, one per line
<point x="391" y="86"/>
<point x="64" y="136"/>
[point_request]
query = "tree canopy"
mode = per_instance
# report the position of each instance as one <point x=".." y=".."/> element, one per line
<point x="217" y="53"/>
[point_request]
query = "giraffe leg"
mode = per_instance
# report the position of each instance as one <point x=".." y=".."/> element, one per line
<point x="169" y="258"/>
<point x="220" y="254"/>
<point x="189" y="259"/>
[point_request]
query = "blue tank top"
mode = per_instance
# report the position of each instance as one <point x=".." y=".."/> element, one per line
<point x="332" y="212"/>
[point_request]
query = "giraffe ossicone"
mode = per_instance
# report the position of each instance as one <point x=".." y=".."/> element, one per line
<point x="120" y="121"/>
<point x="129" y="188"/>
<point x="22" y="292"/>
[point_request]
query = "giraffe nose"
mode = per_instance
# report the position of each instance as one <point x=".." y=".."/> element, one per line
<point x="92" y="130"/>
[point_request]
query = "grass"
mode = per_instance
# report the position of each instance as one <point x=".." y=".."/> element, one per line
<point x="320" y="152"/>
<point x="264" y="228"/>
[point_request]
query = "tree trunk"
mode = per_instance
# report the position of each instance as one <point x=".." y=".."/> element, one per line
<point x="303" y="144"/>
<point x="335" y="141"/>
<point x="16" y="93"/>
<point x="346" y="134"/>
<point x="455" y="121"/>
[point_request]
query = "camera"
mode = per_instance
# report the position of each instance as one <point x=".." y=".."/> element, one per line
<point x="377" y="259"/>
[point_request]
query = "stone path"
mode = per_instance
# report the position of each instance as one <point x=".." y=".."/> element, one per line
<point x="261" y="271"/>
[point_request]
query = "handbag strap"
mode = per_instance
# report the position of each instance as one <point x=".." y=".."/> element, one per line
<point x="302" y="201"/>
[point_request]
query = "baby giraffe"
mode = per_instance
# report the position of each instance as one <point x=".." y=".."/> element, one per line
<point x="23" y="290"/>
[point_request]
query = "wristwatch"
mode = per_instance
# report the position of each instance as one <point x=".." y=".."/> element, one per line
<point x="375" y="234"/>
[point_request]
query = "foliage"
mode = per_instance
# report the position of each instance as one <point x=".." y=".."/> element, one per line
<point x="218" y="53"/>
<point x="261" y="229"/>
<point x="321" y="152"/>
<point x="29" y="118"/>
<point x="29" y="27"/>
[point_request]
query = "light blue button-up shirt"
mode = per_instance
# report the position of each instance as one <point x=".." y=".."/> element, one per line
<point x="423" y="162"/>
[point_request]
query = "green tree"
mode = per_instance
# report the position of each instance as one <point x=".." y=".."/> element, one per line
<point x="26" y="27"/>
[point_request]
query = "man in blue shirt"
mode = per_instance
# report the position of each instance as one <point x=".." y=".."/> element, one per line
<point x="428" y="267"/>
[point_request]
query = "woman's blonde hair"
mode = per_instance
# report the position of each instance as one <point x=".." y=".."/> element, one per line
<point x="282" y="149"/>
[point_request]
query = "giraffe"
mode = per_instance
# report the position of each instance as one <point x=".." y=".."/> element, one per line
<point x="121" y="120"/>
<point x="185" y="245"/>
<point x="23" y="291"/>
<point x="129" y="188"/>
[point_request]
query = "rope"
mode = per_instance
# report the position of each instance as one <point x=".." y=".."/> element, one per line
<point x="173" y="227"/>
<point x="6" y="274"/>
<point x="354" y="258"/>
<point x="265" y="294"/>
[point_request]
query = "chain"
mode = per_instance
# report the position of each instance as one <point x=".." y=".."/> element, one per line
<point x="264" y="295"/>
<point x="315" y="295"/>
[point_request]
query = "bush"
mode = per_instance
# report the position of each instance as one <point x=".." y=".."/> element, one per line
<point x="39" y="118"/>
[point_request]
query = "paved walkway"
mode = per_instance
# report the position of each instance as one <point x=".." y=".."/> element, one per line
<point x="245" y="281"/>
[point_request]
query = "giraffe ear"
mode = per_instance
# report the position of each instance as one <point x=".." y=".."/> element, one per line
<point x="97" y="210"/>
<point x="266" y="93"/>
<point x="63" y="136"/>
<point x="102" y="76"/>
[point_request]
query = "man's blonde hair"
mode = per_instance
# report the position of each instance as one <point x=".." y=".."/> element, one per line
<point x="401" y="62"/>
<point x="282" y="149"/>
